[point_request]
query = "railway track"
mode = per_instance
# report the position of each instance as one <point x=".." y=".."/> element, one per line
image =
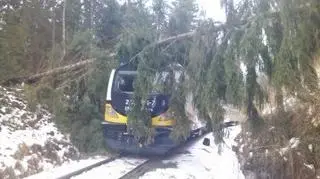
<point x="90" y="167"/>
<point x="139" y="168"/>
<point x="150" y="164"/>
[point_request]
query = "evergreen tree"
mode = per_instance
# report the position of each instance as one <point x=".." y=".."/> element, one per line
<point x="266" y="37"/>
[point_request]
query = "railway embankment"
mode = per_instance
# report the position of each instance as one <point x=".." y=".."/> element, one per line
<point x="29" y="140"/>
<point x="284" y="145"/>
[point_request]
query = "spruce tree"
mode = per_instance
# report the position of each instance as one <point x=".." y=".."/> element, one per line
<point x="277" y="39"/>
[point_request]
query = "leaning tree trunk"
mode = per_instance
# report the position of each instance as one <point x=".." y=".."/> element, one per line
<point x="35" y="77"/>
<point x="64" y="30"/>
<point x="55" y="71"/>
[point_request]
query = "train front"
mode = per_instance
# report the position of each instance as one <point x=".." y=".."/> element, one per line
<point x="119" y="98"/>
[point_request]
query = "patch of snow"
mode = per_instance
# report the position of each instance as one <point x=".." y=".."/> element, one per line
<point x="10" y="140"/>
<point x="111" y="170"/>
<point x="283" y="151"/>
<point x="310" y="166"/>
<point x="241" y="148"/>
<point x="268" y="110"/>
<point x="310" y="147"/>
<point x="203" y="162"/>
<point x="289" y="102"/>
<point x="271" y="128"/>
<point x="294" y="142"/>
<point x="3" y="109"/>
<point x="50" y="172"/>
<point x="22" y="130"/>
<point x="315" y="122"/>
<point x="310" y="110"/>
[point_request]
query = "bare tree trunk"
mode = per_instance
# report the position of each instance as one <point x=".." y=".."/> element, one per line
<point x="83" y="64"/>
<point x="53" y="30"/>
<point x="91" y="25"/>
<point x="55" y="71"/>
<point x="64" y="30"/>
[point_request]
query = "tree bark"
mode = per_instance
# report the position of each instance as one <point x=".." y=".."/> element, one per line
<point x="164" y="41"/>
<point x="36" y="77"/>
<point x="64" y="30"/>
<point x="53" y="30"/>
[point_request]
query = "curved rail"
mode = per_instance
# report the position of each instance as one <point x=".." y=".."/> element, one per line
<point x="138" y="170"/>
<point x="146" y="166"/>
<point x="87" y="168"/>
<point x="142" y="168"/>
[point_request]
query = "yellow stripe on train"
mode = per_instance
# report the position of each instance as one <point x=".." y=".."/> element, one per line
<point x="114" y="117"/>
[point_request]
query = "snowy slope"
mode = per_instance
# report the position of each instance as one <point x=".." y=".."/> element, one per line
<point x="30" y="142"/>
<point x="66" y="168"/>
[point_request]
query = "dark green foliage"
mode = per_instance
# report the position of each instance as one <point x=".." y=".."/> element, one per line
<point x="177" y="105"/>
<point x="160" y="13"/>
<point x="86" y="129"/>
<point x="31" y="42"/>
<point x="87" y="98"/>
<point x="269" y="41"/>
<point x="110" y="20"/>
<point x="182" y="17"/>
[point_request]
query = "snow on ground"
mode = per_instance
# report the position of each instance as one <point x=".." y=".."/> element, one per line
<point x="30" y="142"/>
<point x="66" y="168"/>
<point x="112" y="170"/>
<point x="196" y="161"/>
<point x="201" y="161"/>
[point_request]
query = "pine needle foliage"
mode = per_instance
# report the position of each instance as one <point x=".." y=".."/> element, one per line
<point x="223" y="61"/>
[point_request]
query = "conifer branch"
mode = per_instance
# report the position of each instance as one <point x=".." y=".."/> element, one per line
<point x="78" y="65"/>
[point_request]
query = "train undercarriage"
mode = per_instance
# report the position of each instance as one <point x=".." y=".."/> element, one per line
<point x="117" y="138"/>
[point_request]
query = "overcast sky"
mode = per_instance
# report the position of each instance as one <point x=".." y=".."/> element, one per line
<point x="212" y="8"/>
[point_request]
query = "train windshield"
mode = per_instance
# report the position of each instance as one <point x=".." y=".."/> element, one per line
<point x="125" y="81"/>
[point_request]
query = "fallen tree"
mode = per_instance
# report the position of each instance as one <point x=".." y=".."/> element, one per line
<point x="72" y="67"/>
<point x="59" y="70"/>
<point x="82" y="64"/>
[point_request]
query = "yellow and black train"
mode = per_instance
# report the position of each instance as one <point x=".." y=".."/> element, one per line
<point x="118" y="101"/>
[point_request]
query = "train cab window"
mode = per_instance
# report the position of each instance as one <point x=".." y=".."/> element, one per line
<point x="125" y="82"/>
